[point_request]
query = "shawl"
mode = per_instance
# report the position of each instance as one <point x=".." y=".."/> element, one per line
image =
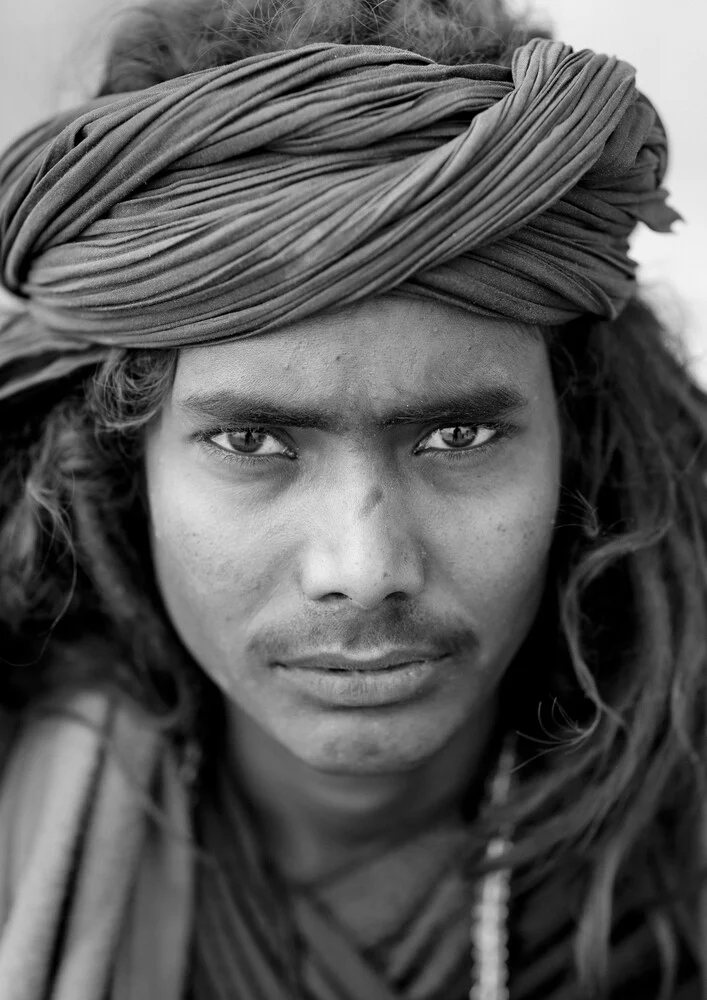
<point x="230" y="201"/>
<point x="97" y="899"/>
<point x="92" y="889"/>
<point x="258" y="934"/>
<point x="97" y="890"/>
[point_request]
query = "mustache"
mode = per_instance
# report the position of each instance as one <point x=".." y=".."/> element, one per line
<point x="357" y="634"/>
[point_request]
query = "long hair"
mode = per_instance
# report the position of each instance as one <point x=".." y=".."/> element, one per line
<point x="614" y="674"/>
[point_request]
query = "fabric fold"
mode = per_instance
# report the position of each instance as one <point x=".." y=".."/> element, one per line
<point x="231" y="201"/>
<point x="83" y="866"/>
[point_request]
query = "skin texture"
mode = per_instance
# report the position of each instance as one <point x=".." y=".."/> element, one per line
<point x="357" y="538"/>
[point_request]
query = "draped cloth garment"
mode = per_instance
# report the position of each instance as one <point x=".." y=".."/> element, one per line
<point x="94" y="896"/>
<point x="413" y="942"/>
<point x="98" y="900"/>
<point x="230" y="201"/>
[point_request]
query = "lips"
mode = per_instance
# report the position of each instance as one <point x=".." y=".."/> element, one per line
<point x="387" y="661"/>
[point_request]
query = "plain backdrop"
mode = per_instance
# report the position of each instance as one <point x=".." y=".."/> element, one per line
<point x="50" y="51"/>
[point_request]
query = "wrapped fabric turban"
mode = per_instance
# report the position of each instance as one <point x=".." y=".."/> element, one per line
<point x="231" y="201"/>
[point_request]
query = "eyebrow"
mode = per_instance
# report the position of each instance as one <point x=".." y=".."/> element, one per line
<point x="234" y="409"/>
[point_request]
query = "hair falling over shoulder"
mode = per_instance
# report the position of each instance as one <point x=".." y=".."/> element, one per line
<point x="618" y="686"/>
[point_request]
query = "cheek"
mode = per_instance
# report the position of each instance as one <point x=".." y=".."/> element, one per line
<point x="217" y="554"/>
<point x="497" y="554"/>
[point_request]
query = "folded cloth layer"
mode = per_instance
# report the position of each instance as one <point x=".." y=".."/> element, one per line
<point x="95" y="895"/>
<point x="231" y="201"/>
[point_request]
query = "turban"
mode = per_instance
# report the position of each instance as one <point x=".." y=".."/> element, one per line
<point x="230" y="201"/>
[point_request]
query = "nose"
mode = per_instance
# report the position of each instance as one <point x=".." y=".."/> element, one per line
<point x="362" y="547"/>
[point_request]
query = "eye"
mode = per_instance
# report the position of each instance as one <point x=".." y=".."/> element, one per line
<point x="250" y="441"/>
<point x="459" y="437"/>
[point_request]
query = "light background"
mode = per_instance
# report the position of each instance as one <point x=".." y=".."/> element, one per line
<point x="50" y="51"/>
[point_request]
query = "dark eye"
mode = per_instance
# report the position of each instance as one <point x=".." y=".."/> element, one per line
<point x="250" y="441"/>
<point x="458" y="437"/>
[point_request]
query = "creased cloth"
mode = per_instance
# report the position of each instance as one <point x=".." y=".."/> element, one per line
<point x="230" y="201"/>
<point x="97" y="899"/>
<point x="258" y="935"/>
<point x="84" y="870"/>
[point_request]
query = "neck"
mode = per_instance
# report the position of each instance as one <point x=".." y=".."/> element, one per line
<point x="315" y="822"/>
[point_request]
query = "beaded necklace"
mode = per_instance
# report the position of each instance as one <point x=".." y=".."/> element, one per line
<point x="489" y="915"/>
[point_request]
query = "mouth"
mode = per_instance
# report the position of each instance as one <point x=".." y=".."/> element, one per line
<point x="378" y="663"/>
<point x="338" y="685"/>
<point x="368" y="670"/>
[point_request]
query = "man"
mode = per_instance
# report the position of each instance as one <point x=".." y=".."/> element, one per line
<point x="353" y="528"/>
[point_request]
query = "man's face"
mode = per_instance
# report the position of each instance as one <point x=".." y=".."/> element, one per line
<point x="377" y="484"/>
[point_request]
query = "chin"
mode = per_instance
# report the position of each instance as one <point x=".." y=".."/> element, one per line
<point x="364" y="747"/>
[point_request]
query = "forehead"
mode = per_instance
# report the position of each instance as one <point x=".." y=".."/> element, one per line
<point x="385" y="349"/>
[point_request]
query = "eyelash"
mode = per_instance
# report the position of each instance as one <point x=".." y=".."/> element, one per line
<point x="222" y="455"/>
<point x="503" y="430"/>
